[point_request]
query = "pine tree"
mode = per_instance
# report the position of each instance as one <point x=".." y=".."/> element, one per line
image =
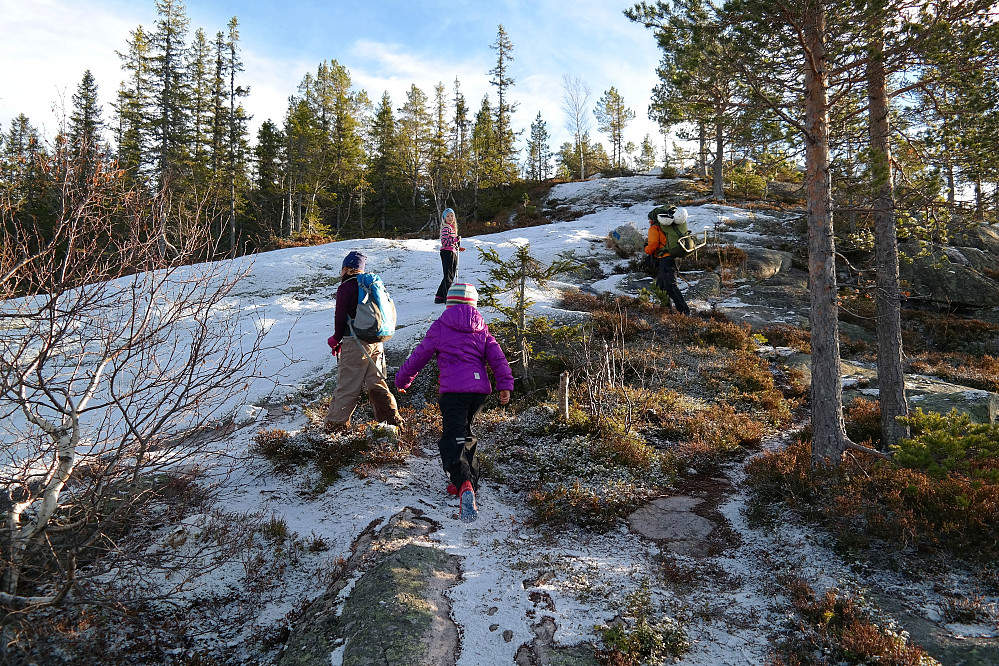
<point x="797" y="33"/>
<point x="506" y="152"/>
<point x="699" y="85"/>
<point x="612" y="118"/>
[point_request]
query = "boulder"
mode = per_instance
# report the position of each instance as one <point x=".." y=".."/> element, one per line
<point x="626" y="240"/>
<point x="983" y="237"/>
<point x="938" y="279"/>
<point x="763" y="263"/>
<point x="929" y="393"/>
<point x="973" y="257"/>
<point x="397" y="613"/>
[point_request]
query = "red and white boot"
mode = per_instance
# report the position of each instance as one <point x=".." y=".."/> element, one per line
<point x="467" y="510"/>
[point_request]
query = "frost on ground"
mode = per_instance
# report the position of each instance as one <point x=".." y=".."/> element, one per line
<point x="275" y="540"/>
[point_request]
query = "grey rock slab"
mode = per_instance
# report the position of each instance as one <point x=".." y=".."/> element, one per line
<point x="398" y="614"/>
<point x="671" y="519"/>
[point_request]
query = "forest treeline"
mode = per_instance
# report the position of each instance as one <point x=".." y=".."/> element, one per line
<point x="339" y="164"/>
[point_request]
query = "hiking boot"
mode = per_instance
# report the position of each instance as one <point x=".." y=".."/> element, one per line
<point x="452" y="489"/>
<point x="467" y="510"/>
<point x="334" y="426"/>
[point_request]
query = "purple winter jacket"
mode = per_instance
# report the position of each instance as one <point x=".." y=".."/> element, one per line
<point x="464" y="346"/>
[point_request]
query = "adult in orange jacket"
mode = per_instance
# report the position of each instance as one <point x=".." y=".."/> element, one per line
<point x="660" y="242"/>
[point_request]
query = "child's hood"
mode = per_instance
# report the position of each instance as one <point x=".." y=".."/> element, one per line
<point x="463" y="318"/>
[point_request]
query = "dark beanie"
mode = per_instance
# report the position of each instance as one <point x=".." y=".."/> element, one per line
<point x="354" y="259"/>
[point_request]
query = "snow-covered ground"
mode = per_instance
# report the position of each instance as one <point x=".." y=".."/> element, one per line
<point x="728" y="615"/>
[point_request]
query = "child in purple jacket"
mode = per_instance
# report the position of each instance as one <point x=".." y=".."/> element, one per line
<point x="464" y="346"/>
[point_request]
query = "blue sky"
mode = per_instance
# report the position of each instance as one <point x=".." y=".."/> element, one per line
<point x="386" y="45"/>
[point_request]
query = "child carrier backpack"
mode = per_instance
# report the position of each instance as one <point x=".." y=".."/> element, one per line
<point x="672" y="222"/>
<point x="375" y="318"/>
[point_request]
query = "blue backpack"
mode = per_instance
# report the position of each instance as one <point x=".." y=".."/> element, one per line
<point x="375" y="317"/>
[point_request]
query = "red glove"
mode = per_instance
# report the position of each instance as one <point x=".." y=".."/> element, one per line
<point x="334" y="345"/>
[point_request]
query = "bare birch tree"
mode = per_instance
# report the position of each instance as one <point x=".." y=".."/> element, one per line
<point x="111" y="356"/>
<point x="576" y="105"/>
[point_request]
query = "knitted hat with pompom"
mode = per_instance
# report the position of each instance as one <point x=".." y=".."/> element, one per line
<point x="461" y="292"/>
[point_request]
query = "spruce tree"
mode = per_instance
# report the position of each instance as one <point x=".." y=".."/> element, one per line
<point x="538" y="151"/>
<point x="486" y="170"/>
<point x="237" y="118"/>
<point x="86" y="127"/>
<point x="170" y="95"/>
<point x="415" y="127"/>
<point x="383" y="161"/>
<point x="133" y="124"/>
<point x="461" y="127"/>
<point x="200" y="68"/>
<point x="440" y="166"/>
<point x="648" y="155"/>
<point x="268" y="184"/>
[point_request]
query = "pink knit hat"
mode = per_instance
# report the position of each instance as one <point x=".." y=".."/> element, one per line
<point x="462" y="292"/>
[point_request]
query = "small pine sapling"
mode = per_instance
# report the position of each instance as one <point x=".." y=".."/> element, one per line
<point x="511" y="278"/>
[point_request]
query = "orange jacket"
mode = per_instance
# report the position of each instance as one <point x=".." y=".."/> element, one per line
<point x="657" y="239"/>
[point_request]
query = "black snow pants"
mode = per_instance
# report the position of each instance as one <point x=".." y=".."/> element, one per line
<point x="457" y="445"/>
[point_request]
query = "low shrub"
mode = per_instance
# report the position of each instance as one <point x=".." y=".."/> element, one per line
<point x="595" y="506"/>
<point x="867" y="499"/>
<point x="833" y="628"/>
<point x="980" y="372"/>
<point x="277" y="446"/>
<point x="785" y="335"/>
<point x="643" y="635"/>
<point x="712" y="257"/>
<point x="863" y="422"/>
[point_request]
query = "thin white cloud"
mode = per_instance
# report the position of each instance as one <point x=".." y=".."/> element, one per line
<point x="49" y="43"/>
<point x="46" y="48"/>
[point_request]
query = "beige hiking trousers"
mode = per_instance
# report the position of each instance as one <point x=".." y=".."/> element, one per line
<point x="356" y="373"/>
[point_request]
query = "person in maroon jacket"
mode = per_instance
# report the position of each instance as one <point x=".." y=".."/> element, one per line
<point x="463" y="346"/>
<point x="361" y="364"/>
